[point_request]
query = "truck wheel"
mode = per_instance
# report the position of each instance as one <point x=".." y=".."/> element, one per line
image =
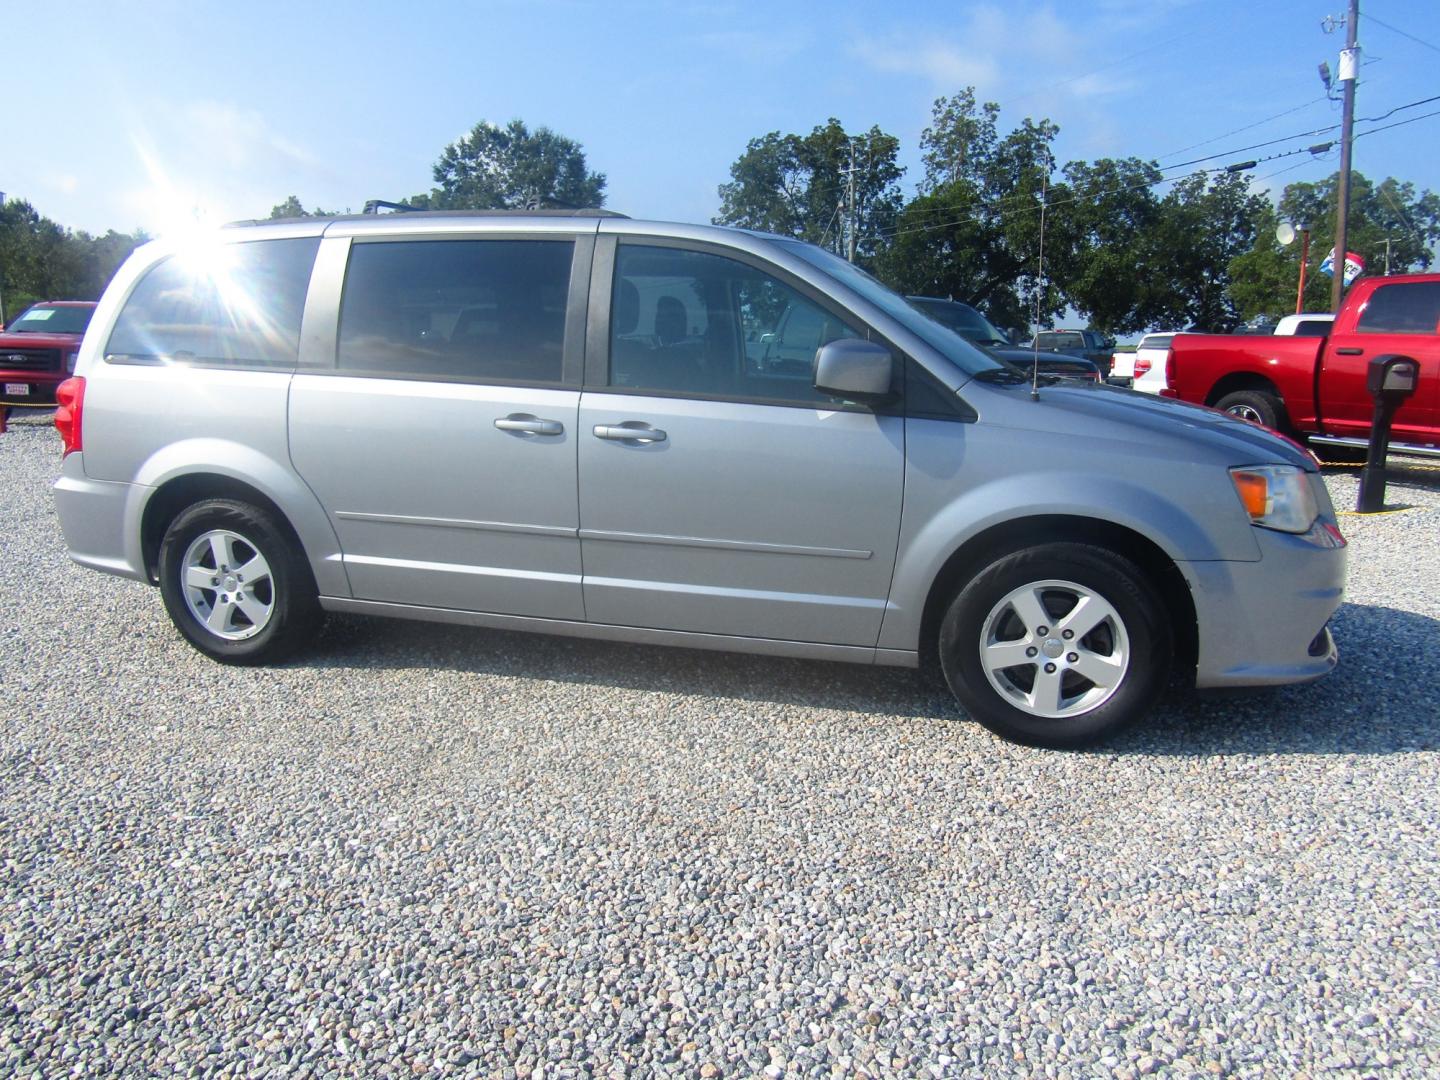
<point x="234" y="584"/>
<point x="1058" y="645"/>
<point x="1257" y="406"/>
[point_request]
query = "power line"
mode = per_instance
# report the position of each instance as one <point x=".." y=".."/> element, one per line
<point x="1402" y="33"/>
<point x="1247" y="127"/>
<point x="1398" y="123"/>
<point x="1398" y="108"/>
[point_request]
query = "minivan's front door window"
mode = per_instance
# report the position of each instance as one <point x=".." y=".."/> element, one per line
<point x="689" y="322"/>
<point x="468" y="310"/>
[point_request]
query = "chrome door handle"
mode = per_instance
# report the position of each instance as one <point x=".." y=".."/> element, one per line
<point x="525" y="424"/>
<point x="633" y="431"/>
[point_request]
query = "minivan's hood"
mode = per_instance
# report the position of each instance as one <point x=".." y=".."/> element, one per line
<point x="1087" y="410"/>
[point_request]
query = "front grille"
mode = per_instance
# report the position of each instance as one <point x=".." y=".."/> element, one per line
<point x="29" y="359"/>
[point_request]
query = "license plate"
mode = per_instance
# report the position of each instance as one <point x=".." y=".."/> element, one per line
<point x="17" y="389"/>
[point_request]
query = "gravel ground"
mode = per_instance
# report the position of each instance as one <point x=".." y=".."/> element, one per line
<point x="431" y="851"/>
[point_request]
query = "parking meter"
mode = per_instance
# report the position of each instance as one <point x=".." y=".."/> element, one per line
<point x="1390" y="380"/>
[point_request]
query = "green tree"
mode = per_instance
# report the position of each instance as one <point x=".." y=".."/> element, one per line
<point x="1102" y="246"/>
<point x="41" y="260"/>
<point x="800" y="186"/>
<point x="974" y="231"/>
<point x="1265" y="278"/>
<point x="512" y="168"/>
<point x="1204" y="222"/>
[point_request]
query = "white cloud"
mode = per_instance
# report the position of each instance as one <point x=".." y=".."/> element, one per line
<point x="1037" y="62"/>
<point x="212" y="161"/>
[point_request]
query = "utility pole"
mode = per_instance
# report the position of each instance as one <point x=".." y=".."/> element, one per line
<point x="1349" y="71"/>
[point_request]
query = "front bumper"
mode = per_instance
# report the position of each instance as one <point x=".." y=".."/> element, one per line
<point x="39" y="389"/>
<point x="1265" y="623"/>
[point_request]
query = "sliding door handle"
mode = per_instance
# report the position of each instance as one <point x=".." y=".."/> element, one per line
<point x="631" y="431"/>
<point x="525" y="424"/>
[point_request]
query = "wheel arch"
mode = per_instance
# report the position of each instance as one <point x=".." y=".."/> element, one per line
<point x="1006" y="537"/>
<point x="1242" y="380"/>
<point x="172" y="497"/>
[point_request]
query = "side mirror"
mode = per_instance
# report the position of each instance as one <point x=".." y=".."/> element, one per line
<point x="852" y="368"/>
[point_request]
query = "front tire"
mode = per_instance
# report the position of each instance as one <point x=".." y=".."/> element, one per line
<point x="235" y="585"/>
<point x="1058" y="645"/>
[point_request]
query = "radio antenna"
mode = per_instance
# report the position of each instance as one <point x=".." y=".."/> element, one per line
<point x="1039" y="292"/>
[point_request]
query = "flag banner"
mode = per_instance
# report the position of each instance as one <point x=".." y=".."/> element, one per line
<point x="1354" y="265"/>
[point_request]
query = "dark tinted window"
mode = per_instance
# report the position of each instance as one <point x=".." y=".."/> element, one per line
<point x="963" y="319"/>
<point x="486" y="310"/>
<point x="1408" y="308"/>
<point x="693" y="323"/>
<point x="1061" y="339"/>
<point x="52" y="319"/>
<point x="1313" y="328"/>
<point x="231" y="305"/>
<point x="964" y="355"/>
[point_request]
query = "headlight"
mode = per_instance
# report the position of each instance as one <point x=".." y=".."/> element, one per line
<point x="1276" y="496"/>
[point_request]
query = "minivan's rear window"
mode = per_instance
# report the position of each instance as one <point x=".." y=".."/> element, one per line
<point x="470" y="310"/>
<point x="225" y="305"/>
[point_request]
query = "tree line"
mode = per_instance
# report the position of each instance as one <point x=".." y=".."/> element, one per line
<point x="1203" y="254"/>
<point x="994" y="221"/>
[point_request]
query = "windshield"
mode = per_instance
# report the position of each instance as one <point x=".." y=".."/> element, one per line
<point x="949" y="344"/>
<point x="962" y="318"/>
<point x="43" y="319"/>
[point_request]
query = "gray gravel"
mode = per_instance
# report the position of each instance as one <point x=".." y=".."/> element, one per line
<point x="430" y="851"/>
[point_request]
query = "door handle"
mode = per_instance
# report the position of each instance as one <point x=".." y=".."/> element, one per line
<point x="1350" y="352"/>
<point x="525" y="424"/>
<point x="631" y="431"/>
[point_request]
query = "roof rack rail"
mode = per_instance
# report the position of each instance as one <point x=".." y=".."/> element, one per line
<point x="402" y="208"/>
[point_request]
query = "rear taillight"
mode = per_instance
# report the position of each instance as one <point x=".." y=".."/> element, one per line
<point x="69" y="404"/>
<point x="1142" y="365"/>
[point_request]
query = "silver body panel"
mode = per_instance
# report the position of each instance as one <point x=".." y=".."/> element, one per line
<point x="433" y="504"/>
<point x="750" y="520"/>
<point x="788" y="530"/>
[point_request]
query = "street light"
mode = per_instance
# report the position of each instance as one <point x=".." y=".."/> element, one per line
<point x="1285" y="234"/>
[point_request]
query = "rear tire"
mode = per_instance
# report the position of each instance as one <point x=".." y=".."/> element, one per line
<point x="1257" y="406"/>
<point x="1058" y="645"/>
<point x="235" y="584"/>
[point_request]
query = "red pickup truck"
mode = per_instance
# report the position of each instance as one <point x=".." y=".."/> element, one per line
<point x="37" y="350"/>
<point x="1315" y="387"/>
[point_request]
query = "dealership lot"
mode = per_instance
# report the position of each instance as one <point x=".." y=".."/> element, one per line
<point x="426" y="850"/>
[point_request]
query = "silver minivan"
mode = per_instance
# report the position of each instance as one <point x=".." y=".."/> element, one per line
<point x="672" y="434"/>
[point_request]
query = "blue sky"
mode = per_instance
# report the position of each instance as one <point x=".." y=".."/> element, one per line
<point x="153" y="114"/>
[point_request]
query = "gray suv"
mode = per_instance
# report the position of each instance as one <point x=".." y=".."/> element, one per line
<point x="670" y="434"/>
